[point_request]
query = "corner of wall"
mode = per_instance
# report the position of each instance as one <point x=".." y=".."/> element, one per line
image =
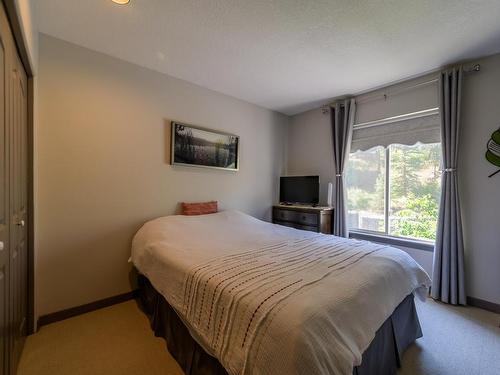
<point x="27" y="18"/>
<point x="286" y="145"/>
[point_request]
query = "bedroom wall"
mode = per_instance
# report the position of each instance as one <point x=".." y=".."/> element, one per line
<point x="480" y="194"/>
<point x="309" y="152"/>
<point x="310" y="148"/>
<point x="103" y="165"/>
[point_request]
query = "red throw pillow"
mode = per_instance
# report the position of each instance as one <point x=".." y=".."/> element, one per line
<point x="201" y="208"/>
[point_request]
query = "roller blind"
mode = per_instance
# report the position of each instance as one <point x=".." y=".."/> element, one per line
<point x="422" y="126"/>
<point x="406" y="113"/>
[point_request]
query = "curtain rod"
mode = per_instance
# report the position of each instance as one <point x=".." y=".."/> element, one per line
<point x="472" y="68"/>
<point x="395" y="92"/>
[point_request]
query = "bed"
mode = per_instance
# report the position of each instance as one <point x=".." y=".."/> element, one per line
<point x="236" y="295"/>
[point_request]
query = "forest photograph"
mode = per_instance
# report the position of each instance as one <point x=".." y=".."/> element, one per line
<point x="200" y="147"/>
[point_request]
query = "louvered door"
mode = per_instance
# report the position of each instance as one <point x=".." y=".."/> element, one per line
<point x="4" y="218"/>
<point x="13" y="200"/>
<point x="18" y="208"/>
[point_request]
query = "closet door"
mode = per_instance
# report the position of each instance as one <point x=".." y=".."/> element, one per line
<point x="13" y="200"/>
<point x="18" y="207"/>
<point x="4" y="219"/>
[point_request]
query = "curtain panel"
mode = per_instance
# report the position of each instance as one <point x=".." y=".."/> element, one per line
<point x="448" y="279"/>
<point x="342" y="120"/>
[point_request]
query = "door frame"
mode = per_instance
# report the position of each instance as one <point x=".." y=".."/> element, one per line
<point x="22" y="49"/>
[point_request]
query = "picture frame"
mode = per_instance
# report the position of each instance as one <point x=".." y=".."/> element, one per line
<point x="194" y="146"/>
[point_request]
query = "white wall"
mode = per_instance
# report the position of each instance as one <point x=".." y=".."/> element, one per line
<point x="480" y="194"/>
<point x="309" y="152"/>
<point x="103" y="165"/>
<point x="310" y="148"/>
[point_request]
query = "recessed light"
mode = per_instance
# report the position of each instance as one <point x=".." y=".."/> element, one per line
<point x="121" y="2"/>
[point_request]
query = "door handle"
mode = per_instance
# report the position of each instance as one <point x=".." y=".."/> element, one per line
<point x="20" y="223"/>
<point x="1" y="245"/>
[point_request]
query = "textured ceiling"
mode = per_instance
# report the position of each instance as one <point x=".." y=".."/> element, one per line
<point x="286" y="55"/>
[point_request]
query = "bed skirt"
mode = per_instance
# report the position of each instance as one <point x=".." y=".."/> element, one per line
<point x="382" y="357"/>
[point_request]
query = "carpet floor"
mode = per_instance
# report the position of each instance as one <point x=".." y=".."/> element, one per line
<point x="118" y="340"/>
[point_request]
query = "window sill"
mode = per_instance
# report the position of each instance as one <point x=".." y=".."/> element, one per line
<point x="394" y="241"/>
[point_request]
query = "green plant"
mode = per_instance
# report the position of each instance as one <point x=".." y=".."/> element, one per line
<point x="418" y="219"/>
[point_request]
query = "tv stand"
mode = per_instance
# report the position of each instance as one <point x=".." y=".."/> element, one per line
<point x="305" y="217"/>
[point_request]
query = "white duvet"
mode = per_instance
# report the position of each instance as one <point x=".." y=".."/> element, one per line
<point x="266" y="299"/>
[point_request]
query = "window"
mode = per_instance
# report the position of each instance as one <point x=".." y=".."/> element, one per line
<point x="395" y="190"/>
<point x="366" y="190"/>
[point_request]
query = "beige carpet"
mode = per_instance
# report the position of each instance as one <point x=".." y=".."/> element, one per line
<point x="118" y="340"/>
<point x="456" y="341"/>
<point x="113" y="340"/>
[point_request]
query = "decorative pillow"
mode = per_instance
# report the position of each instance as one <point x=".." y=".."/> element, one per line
<point x="201" y="208"/>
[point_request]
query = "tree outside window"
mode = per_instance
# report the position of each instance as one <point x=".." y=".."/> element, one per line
<point x="395" y="190"/>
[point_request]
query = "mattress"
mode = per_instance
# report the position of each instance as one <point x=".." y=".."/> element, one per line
<point x="266" y="299"/>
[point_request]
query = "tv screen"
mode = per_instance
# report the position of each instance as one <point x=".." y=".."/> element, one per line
<point x="300" y="189"/>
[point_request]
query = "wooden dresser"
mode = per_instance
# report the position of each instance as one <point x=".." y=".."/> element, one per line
<point x="314" y="219"/>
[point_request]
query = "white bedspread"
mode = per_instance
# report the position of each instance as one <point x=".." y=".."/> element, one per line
<point x="266" y="299"/>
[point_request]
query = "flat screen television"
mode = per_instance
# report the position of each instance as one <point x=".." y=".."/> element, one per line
<point x="299" y="189"/>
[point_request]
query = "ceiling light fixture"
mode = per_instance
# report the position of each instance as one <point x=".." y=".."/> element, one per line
<point x="121" y="2"/>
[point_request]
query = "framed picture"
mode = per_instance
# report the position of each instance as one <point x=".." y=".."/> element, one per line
<point x="199" y="147"/>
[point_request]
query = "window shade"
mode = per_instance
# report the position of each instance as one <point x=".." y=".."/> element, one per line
<point x="406" y="97"/>
<point x="405" y="113"/>
<point x="405" y="130"/>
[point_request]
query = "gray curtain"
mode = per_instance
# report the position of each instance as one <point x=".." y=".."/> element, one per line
<point x="342" y="118"/>
<point x="448" y="281"/>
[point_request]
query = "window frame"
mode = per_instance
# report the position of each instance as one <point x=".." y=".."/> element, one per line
<point x="385" y="237"/>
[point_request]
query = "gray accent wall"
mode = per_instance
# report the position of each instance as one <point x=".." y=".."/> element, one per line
<point x="102" y="158"/>
<point x="310" y="152"/>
